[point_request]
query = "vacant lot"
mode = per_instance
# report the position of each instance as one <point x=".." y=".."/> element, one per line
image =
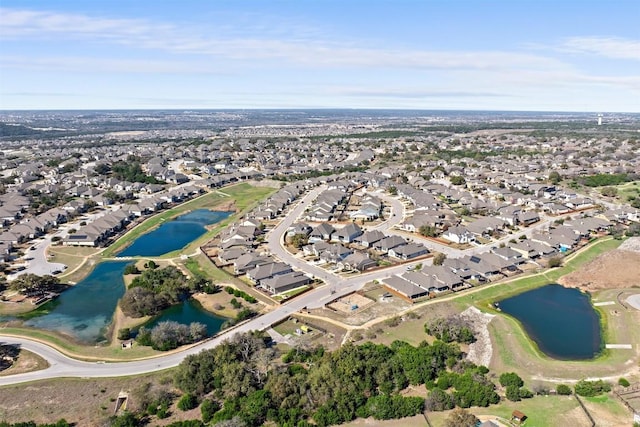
<point x="611" y="270"/>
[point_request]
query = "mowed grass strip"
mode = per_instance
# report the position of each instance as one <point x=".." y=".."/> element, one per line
<point x="81" y="351"/>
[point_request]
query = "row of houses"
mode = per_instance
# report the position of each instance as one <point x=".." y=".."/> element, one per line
<point x="99" y="232"/>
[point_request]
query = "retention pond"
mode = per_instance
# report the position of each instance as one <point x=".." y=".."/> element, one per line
<point x="85" y="311"/>
<point x="561" y="321"/>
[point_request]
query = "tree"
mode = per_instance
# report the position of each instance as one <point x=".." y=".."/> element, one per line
<point x="124" y="334"/>
<point x="461" y="418"/>
<point x="438" y="400"/>
<point x="428" y="230"/>
<point x="510" y="379"/>
<point x="299" y="240"/>
<point x="554" y="177"/>
<point x="8" y="354"/>
<point x="457" y="180"/>
<point x="439" y="258"/>
<point x="563" y="389"/>
<point x="554" y="262"/>
<point x="513" y="393"/>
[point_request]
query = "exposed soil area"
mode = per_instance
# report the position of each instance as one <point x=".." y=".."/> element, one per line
<point x="227" y="206"/>
<point x="615" y="269"/>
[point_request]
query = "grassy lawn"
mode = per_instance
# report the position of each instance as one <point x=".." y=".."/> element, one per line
<point x="542" y="411"/>
<point x="80" y="351"/>
<point x="629" y="189"/>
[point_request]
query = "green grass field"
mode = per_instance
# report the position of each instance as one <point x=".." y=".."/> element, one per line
<point x="541" y="411"/>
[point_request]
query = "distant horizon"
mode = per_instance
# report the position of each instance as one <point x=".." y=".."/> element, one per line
<point x="174" y="109"/>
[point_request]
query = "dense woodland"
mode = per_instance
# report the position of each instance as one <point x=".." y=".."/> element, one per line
<point x="244" y="380"/>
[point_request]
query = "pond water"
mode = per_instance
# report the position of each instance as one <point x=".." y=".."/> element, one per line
<point x="174" y="234"/>
<point x="85" y="310"/>
<point x="187" y="312"/>
<point x="561" y="321"/>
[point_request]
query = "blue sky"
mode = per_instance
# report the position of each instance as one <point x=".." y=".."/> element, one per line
<point x="538" y="55"/>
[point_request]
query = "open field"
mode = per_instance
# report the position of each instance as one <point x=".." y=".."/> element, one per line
<point x="84" y="402"/>
<point x="628" y="189"/>
<point x="542" y="411"/>
<point x="74" y="258"/>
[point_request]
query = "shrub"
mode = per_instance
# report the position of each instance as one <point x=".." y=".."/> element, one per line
<point x="525" y="393"/>
<point x="563" y="390"/>
<point x="555" y="262"/>
<point x="624" y="382"/>
<point x="591" y="388"/>
<point x="392" y="322"/>
<point x="187" y="402"/>
<point x="208" y="408"/>
<point x="131" y="269"/>
<point x="124" y="334"/>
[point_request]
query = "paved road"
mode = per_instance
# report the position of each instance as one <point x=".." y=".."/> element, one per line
<point x="336" y="286"/>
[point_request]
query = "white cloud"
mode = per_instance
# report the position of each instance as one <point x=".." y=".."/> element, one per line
<point x="298" y="49"/>
<point x="108" y="65"/>
<point x="609" y="47"/>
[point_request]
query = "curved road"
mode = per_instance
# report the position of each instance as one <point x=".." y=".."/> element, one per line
<point x="336" y="286"/>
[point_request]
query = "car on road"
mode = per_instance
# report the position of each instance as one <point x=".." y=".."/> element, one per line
<point x="32" y="248"/>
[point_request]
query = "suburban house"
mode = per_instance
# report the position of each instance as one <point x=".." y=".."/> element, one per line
<point x="369" y="238"/>
<point x="265" y="271"/>
<point x="321" y="232"/>
<point x="357" y="261"/>
<point x="285" y="282"/>
<point x="409" y="251"/>
<point x="388" y="243"/>
<point x="458" y="234"/>
<point x="347" y="234"/>
<point x="404" y="288"/>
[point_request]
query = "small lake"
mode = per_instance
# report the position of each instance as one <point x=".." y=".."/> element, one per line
<point x="187" y="312"/>
<point x="174" y="234"/>
<point x="85" y="310"/>
<point x="561" y="321"/>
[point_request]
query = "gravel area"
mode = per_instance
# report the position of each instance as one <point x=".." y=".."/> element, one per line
<point x="632" y="244"/>
<point x="480" y="352"/>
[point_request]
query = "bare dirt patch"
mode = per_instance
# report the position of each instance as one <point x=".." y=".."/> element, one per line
<point x="26" y="362"/>
<point x="612" y="270"/>
<point x="350" y="303"/>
